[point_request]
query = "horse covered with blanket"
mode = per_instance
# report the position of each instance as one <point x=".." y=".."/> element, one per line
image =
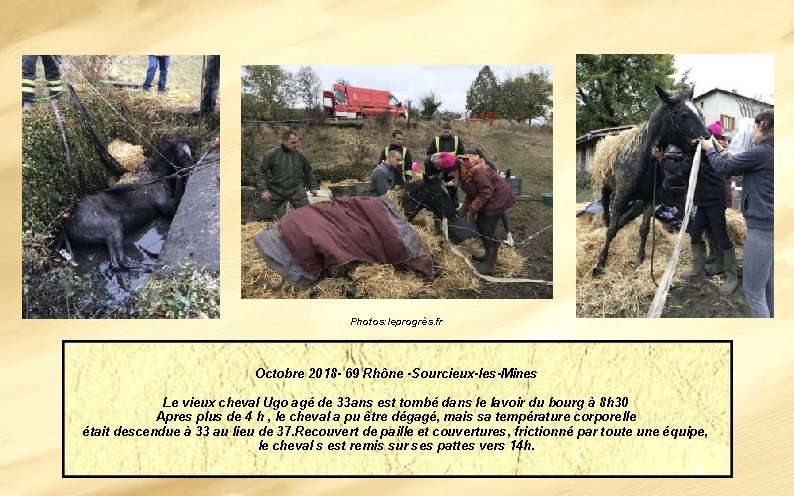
<point x="312" y="239"/>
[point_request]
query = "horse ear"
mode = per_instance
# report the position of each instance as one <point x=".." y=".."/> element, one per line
<point x="664" y="95"/>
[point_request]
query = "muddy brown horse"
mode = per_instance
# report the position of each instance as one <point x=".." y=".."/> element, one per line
<point x="629" y="187"/>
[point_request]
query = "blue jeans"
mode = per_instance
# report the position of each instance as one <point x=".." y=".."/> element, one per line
<point x="759" y="273"/>
<point x="154" y="61"/>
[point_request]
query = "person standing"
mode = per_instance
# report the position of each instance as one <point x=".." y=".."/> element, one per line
<point x="445" y="142"/>
<point x="383" y="175"/>
<point x="154" y="61"/>
<point x="710" y="202"/>
<point x="758" y="207"/>
<point x="52" y="72"/>
<point x="504" y="217"/>
<point x="284" y="175"/>
<point x="487" y="196"/>
<point x="402" y="174"/>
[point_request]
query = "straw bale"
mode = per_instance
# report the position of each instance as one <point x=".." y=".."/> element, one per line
<point x="378" y="280"/>
<point x="129" y="156"/>
<point x="737" y="228"/>
<point x="625" y="290"/>
<point x="606" y="153"/>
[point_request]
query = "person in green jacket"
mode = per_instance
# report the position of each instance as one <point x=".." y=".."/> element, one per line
<point x="284" y="176"/>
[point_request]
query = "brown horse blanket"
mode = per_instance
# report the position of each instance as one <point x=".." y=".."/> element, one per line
<point x="311" y="239"/>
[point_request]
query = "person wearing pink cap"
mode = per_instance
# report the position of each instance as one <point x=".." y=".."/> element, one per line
<point x="487" y="196"/>
<point x="710" y="202"/>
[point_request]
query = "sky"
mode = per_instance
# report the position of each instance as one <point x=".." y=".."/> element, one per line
<point x="749" y="75"/>
<point x="411" y="82"/>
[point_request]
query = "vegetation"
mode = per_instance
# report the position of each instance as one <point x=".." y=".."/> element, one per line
<point x="191" y="293"/>
<point x="343" y="153"/>
<point x="52" y="184"/>
<point x="520" y="97"/>
<point x="614" y="90"/>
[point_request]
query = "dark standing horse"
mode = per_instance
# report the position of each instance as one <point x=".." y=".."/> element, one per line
<point x="432" y="195"/>
<point x="429" y="194"/>
<point x="675" y="121"/>
<point x="104" y="218"/>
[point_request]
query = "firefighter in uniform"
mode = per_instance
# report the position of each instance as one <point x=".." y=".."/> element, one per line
<point x="449" y="143"/>
<point x="51" y="72"/>
<point x="403" y="173"/>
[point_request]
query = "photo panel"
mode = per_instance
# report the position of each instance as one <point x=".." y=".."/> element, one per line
<point x="120" y="186"/>
<point x="396" y="182"/>
<point x="674" y="185"/>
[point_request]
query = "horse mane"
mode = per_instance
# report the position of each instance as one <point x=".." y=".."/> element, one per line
<point x="632" y="144"/>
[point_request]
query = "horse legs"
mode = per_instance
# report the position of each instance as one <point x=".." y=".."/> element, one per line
<point x="644" y="230"/>
<point x="605" y="194"/>
<point x="635" y="209"/>
<point x="612" y="230"/>
<point x="115" y="244"/>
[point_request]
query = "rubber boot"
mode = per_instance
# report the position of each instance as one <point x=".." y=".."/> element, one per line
<point x="731" y="278"/>
<point x="698" y="261"/>
<point x="484" y="256"/>
<point x="509" y="240"/>
<point x="487" y="267"/>
<point x="716" y="266"/>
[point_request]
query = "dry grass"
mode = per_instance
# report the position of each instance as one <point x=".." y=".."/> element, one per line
<point x="623" y="290"/>
<point x="606" y="153"/>
<point x="379" y="281"/>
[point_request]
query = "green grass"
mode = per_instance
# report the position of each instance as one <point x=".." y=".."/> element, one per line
<point x="184" y="73"/>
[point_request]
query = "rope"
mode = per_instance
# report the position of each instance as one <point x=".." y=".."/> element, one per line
<point x="77" y="71"/>
<point x="655" y="310"/>
<point x="457" y="252"/>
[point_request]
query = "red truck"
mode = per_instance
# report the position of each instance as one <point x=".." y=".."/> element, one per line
<point x="351" y="102"/>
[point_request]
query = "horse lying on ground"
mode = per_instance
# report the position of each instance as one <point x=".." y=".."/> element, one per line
<point x="629" y="172"/>
<point x="105" y="217"/>
<point x="311" y="239"/>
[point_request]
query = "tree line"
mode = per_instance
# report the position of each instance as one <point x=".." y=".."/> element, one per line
<point x="272" y="92"/>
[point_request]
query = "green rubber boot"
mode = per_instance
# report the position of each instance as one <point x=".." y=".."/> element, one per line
<point x="731" y="278"/>
<point x="698" y="262"/>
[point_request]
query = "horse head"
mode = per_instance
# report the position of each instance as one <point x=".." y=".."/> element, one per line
<point x="428" y="193"/>
<point x="679" y="120"/>
<point x="172" y="155"/>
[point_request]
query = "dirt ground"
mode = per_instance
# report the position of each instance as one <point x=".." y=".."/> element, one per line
<point x="527" y="218"/>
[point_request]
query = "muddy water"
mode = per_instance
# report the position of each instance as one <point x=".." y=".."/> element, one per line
<point x="108" y="289"/>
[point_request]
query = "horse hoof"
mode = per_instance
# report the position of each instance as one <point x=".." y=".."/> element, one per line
<point x="598" y="271"/>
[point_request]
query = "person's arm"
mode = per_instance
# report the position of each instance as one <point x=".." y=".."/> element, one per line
<point x="380" y="184"/>
<point x="461" y="149"/>
<point x="308" y="176"/>
<point x="409" y="160"/>
<point x="382" y="156"/>
<point x="263" y="172"/>
<point x="737" y="164"/>
<point x="484" y="190"/>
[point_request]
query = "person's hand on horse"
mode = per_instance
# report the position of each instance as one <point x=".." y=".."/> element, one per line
<point x="705" y="144"/>
<point x="657" y="153"/>
<point x="266" y="196"/>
